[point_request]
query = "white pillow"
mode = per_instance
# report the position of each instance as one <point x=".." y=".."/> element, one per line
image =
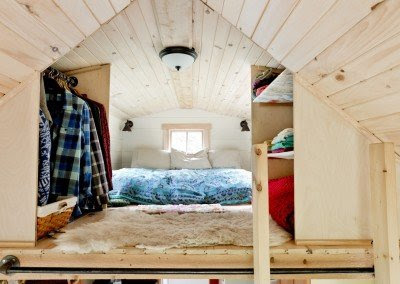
<point x="151" y="159"/>
<point x="181" y="160"/>
<point x="225" y="159"/>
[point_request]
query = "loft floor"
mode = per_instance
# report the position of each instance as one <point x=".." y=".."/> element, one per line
<point x="288" y="255"/>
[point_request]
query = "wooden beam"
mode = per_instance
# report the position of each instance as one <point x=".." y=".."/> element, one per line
<point x="260" y="214"/>
<point x="384" y="213"/>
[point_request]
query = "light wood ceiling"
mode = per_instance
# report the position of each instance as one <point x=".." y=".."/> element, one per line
<point x="347" y="52"/>
<point x="141" y="84"/>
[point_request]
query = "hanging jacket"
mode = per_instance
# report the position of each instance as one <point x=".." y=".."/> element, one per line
<point x="71" y="171"/>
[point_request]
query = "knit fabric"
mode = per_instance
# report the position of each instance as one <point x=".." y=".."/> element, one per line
<point x="281" y="202"/>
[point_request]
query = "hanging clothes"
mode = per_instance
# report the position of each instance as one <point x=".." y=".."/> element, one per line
<point x="70" y="155"/>
<point x="44" y="159"/>
<point x="101" y="122"/>
<point x="43" y="101"/>
<point x="99" y="179"/>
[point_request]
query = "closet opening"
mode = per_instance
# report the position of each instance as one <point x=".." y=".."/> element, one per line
<point x="195" y="196"/>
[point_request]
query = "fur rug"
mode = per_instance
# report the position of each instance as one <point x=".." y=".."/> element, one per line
<point x="149" y="229"/>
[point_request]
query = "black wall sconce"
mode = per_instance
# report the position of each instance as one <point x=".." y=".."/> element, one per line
<point x="244" y="125"/>
<point x="128" y="126"/>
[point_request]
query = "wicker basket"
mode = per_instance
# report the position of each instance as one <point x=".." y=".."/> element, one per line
<point x="54" y="216"/>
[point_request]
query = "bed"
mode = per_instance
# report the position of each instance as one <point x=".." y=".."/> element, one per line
<point x="185" y="186"/>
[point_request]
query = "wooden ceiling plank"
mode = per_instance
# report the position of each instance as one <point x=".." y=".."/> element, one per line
<point x="384" y="124"/>
<point x="117" y="77"/>
<point x="14" y="68"/>
<point x="18" y="48"/>
<point x="147" y="31"/>
<point x="252" y="11"/>
<point x="140" y="42"/>
<point x="150" y="39"/>
<point x="54" y="19"/>
<point x="216" y="5"/>
<point x="305" y="16"/>
<point x="242" y="81"/>
<point x="130" y="78"/>
<point x="103" y="41"/>
<point x="77" y="61"/>
<point x="101" y="9"/>
<point x="85" y="53"/>
<point x="231" y="11"/>
<point x="80" y="14"/>
<point x="63" y="64"/>
<point x="380" y="59"/>
<point x="234" y="69"/>
<point x="198" y="13"/>
<point x="231" y="47"/>
<point x="380" y="85"/>
<point x="264" y="59"/>
<point x="117" y="40"/>
<point x="274" y="16"/>
<point x="240" y="106"/>
<point x="31" y="29"/>
<point x="376" y="108"/>
<point x="338" y="20"/>
<point x="119" y="5"/>
<point x="219" y="45"/>
<point x="382" y="23"/>
<point x="175" y="22"/>
<point x="208" y="43"/>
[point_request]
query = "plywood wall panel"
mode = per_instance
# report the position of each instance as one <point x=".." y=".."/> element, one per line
<point x="98" y="91"/>
<point x="331" y="173"/>
<point x="19" y="142"/>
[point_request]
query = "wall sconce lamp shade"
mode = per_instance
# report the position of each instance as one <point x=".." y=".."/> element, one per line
<point x="244" y="125"/>
<point x="128" y="126"/>
<point x="178" y="57"/>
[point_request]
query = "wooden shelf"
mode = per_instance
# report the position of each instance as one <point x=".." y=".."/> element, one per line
<point x="284" y="155"/>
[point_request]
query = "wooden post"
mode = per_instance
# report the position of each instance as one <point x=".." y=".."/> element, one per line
<point x="260" y="214"/>
<point x="384" y="213"/>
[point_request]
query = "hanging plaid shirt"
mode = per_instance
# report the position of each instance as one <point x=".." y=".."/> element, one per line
<point x="70" y="155"/>
<point x="99" y="178"/>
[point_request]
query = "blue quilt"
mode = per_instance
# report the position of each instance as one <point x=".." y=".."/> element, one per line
<point x="209" y="186"/>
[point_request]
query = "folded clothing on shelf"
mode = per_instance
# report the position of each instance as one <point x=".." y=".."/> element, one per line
<point x="283" y="142"/>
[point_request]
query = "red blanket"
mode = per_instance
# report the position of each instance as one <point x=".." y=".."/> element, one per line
<point x="281" y="202"/>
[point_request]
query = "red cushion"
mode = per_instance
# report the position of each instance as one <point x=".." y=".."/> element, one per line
<point x="281" y="202"/>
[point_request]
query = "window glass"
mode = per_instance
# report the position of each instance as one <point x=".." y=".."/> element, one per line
<point x="194" y="141"/>
<point x="178" y="140"/>
<point x="190" y="141"/>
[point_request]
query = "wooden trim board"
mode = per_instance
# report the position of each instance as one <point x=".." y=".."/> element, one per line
<point x="260" y="214"/>
<point x="385" y="229"/>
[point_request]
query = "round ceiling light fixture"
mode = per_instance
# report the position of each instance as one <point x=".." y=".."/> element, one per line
<point x="178" y="57"/>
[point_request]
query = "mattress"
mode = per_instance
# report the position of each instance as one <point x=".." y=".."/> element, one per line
<point x="161" y="187"/>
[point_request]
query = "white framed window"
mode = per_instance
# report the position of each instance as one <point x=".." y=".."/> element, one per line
<point x="188" y="138"/>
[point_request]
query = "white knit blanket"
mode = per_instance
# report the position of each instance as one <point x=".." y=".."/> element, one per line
<point x="155" y="227"/>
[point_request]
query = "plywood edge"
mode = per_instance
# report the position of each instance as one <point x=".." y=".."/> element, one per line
<point x="324" y="98"/>
<point x="333" y="242"/>
<point x="4" y="244"/>
<point x="87" y="69"/>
